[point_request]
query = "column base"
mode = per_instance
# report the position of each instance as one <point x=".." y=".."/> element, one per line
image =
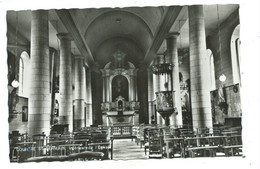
<point x="78" y="124"/>
<point x="66" y="120"/>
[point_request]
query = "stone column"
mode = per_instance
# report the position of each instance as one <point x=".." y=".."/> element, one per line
<point x="172" y="52"/>
<point x="156" y="89"/>
<point x="199" y="69"/>
<point x="132" y="91"/>
<point x="39" y="97"/>
<point x="150" y="95"/>
<point x="78" y="120"/>
<point x="85" y="95"/>
<point x="108" y="87"/>
<point x="65" y="81"/>
<point x="104" y="88"/>
<point x="136" y="89"/>
<point x="53" y="65"/>
<point x="89" y="114"/>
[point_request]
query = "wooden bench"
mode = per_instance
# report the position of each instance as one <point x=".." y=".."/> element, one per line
<point x="74" y="156"/>
<point x="174" y="146"/>
<point x="231" y="148"/>
<point x="102" y="147"/>
<point x="210" y="149"/>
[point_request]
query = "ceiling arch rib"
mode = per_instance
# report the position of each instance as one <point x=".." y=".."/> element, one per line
<point x="118" y="23"/>
<point x="70" y="25"/>
<point x="150" y="15"/>
<point x="105" y="51"/>
<point x="165" y="25"/>
<point x="121" y="36"/>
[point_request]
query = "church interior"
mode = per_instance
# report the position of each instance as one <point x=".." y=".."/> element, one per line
<point x="124" y="83"/>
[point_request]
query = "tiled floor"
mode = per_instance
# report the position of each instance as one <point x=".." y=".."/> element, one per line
<point x="126" y="149"/>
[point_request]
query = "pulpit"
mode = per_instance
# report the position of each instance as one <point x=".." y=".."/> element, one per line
<point x="164" y="98"/>
<point x="165" y="105"/>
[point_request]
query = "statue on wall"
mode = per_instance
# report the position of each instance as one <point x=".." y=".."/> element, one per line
<point x="223" y="106"/>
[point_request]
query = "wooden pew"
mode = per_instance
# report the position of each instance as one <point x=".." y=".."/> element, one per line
<point x="203" y="146"/>
<point x="75" y="156"/>
<point x="232" y="145"/>
<point x="155" y="139"/>
<point x="174" y="146"/>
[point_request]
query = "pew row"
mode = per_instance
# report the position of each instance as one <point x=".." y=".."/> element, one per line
<point x="74" y="156"/>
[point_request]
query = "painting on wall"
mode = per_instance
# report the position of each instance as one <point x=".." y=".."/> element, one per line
<point x="225" y="104"/>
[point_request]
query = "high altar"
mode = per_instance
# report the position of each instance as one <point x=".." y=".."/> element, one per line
<point x="120" y="102"/>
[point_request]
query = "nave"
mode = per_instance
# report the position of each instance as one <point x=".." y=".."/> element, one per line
<point x="124" y="83"/>
<point x="136" y="142"/>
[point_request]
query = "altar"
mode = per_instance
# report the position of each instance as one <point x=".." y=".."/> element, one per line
<point x="120" y="113"/>
<point x="120" y="106"/>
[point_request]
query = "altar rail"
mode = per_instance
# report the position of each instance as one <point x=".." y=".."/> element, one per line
<point x="121" y="132"/>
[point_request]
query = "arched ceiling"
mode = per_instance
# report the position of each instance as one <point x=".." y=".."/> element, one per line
<point x="95" y="31"/>
<point x="150" y="15"/>
<point x="118" y="24"/>
<point x="105" y="52"/>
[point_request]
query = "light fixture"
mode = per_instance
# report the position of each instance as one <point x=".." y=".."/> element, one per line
<point x="15" y="83"/>
<point x="118" y="20"/>
<point x="222" y="77"/>
<point x="162" y="68"/>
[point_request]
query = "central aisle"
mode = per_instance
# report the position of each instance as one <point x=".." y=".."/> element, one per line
<point x="125" y="149"/>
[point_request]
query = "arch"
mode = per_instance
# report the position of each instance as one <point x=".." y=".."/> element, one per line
<point x="24" y="75"/>
<point x="212" y="70"/>
<point x="105" y="51"/>
<point x="129" y="26"/>
<point x="235" y="54"/>
<point x="130" y="64"/>
<point x="120" y="104"/>
<point x="120" y="87"/>
<point x="117" y="11"/>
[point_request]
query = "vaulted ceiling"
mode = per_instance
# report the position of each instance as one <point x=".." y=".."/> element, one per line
<point x="98" y="33"/>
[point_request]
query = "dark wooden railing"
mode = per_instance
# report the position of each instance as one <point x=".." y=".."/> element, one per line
<point x="121" y="131"/>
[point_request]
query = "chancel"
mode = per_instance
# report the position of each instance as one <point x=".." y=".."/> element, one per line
<point x="124" y="83"/>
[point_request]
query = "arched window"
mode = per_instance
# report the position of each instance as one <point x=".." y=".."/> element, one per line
<point x="212" y="70"/>
<point x="24" y="75"/>
<point x="235" y="54"/>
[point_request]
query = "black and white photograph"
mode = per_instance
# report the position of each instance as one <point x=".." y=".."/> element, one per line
<point x="161" y="84"/>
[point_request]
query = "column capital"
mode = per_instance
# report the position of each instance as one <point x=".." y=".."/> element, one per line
<point x="62" y="36"/>
<point x="172" y="35"/>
